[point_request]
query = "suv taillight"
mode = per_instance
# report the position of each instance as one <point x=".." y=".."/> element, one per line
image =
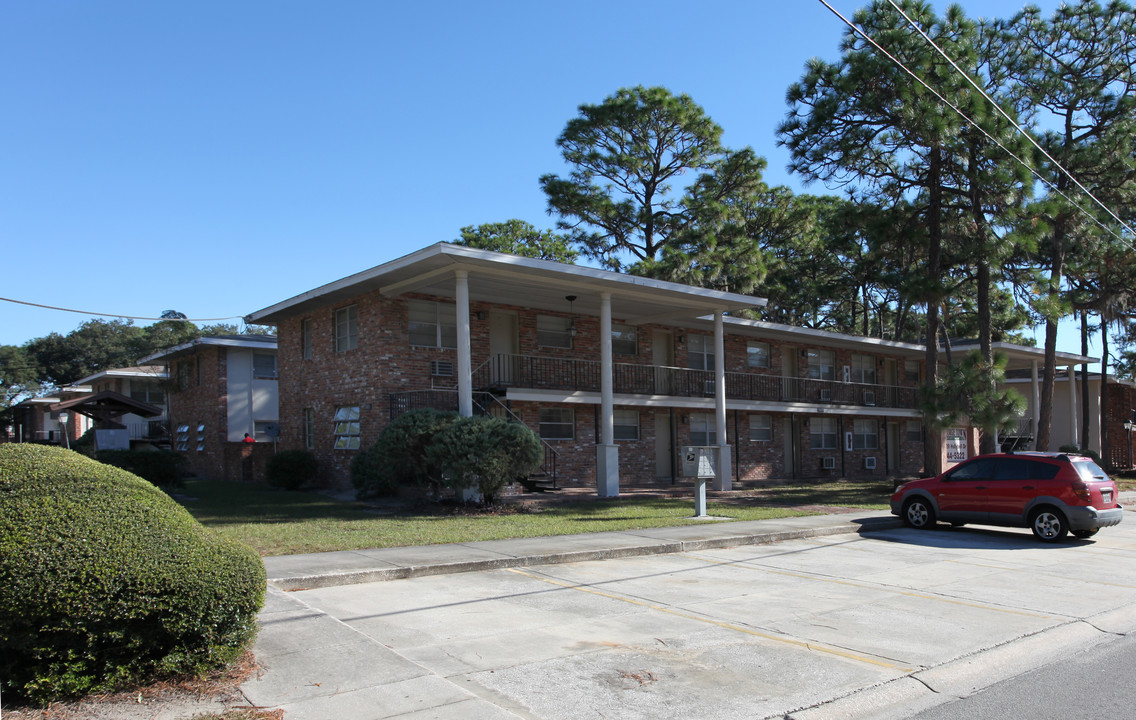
<point x="1081" y="490"/>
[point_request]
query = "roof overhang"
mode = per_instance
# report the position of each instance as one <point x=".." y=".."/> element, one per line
<point x="501" y="279"/>
<point x="1022" y="356"/>
<point x="264" y="342"/>
<point x="154" y="372"/>
<point x="821" y="338"/>
<point x="107" y="406"/>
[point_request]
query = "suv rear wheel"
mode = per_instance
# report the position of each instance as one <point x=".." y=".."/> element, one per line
<point x="1049" y="524"/>
<point x="918" y="513"/>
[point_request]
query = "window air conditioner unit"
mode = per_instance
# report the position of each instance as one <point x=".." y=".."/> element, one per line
<point x="441" y="368"/>
<point x="828" y="463"/>
<point x="869" y="397"/>
<point x="869" y="463"/>
<point x="825" y="395"/>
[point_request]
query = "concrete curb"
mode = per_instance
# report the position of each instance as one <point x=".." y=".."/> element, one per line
<point x="964" y="676"/>
<point x="719" y="536"/>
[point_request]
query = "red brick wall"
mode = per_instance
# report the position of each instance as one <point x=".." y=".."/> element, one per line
<point x="385" y="363"/>
<point x="1122" y="450"/>
<point x="201" y="400"/>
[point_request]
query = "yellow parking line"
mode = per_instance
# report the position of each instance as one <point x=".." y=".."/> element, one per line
<point x="709" y="621"/>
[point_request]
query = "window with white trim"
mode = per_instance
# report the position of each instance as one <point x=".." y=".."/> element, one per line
<point x="625" y="424"/>
<point x="554" y="331"/>
<point x="183" y="438"/>
<point x="260" y="430"/>
<point x="757" y="354"/>
<point x="911" y="370"/>
<point x="700" y="352"/>
<point x="306" y="338"/>
<point x="346" y="328"/>
<point x="147" y="392"/>
<point x="703" y="429"/>
<point x="865" y="435"/>
<point x="309" y="428"/>
<point x="347" y="433"/>
<point x="761" y="428"/>
<point x="557" y="423"/>
<point x="624" y="340"/>
<point x="201" y="437"/>
<point x="822" y="433"/>
<point x="914" y="431"/>
<point x="863" y="369"/>
<point x="822" y="364"/>
<point x="264" y="366"/>
<point x="433" y="324"/>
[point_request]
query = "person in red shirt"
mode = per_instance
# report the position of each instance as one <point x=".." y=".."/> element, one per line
<point x="249" y="438"/>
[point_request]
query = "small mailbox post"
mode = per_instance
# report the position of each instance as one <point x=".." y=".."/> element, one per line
<point x="701" y="463"/>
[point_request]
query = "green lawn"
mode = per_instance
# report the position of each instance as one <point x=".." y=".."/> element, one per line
<point x="276" y="522"/>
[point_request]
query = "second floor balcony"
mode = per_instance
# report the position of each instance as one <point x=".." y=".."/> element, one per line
<point x="547" y="373"/>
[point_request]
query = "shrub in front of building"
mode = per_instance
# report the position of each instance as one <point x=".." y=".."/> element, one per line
<point x="484" y="454"/>
<point x="164" y="468"/>
<point x="399" y="455"/>
<point x="106" y="582"/>
<point x="291" y="469"/>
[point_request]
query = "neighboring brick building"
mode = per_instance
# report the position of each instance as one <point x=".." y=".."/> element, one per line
<point x="219" y="389"/>
<point x="615" y="372"/>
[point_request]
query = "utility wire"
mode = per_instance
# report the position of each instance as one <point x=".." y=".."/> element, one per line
<point x="1022" y="131"/>
<point x="116" y="315"/>
<point x="965" y="117"/>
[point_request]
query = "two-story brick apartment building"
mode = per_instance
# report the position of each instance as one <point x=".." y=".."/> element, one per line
<point x="219" y="389"/>
<point x="615" y="372"/>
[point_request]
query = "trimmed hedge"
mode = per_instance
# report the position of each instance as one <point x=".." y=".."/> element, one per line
<point x="105" y="581"/>
<point x="290" y="469"/>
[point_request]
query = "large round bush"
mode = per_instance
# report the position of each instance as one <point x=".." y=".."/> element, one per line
<point x="106" y="581"/>
<point x="290" y="469"/>
<point x="399" y="456"/>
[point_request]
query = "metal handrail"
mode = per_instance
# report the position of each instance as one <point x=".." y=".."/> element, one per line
<point x="552" y="373"/>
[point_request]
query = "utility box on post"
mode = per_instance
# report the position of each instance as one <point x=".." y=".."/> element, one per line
<point x="701" y="463"/>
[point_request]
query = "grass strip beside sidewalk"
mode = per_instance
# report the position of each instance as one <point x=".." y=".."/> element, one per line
<point x="276" y="522"/>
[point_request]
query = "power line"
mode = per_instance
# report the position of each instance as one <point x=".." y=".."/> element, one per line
<point x="1022" y="131"/>
<point x="118" y="315"/>
<point x="965" y="117"/>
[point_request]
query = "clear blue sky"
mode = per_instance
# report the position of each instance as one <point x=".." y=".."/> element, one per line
<point x="218" y="157"/>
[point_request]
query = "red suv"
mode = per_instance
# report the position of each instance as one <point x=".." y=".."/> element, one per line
<point x="1050" y="493"/>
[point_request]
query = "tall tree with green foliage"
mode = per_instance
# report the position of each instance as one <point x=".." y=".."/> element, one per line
<point x="865" y="124"/>
<point x="19" y="375"/>
<point x="650" y="174"/>
<point x="517" y="237"/>
<point x="1081" y="74"/>
<point x="94" y="346"/>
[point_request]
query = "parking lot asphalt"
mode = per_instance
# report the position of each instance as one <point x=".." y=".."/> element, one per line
<point x="832" y="616"/>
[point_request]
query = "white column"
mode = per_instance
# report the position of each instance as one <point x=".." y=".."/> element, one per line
<point x="1073" y="405"/>
<point x="607" y="401"/>
<point x="725" y="478"/>
<point x="465" y="365"/>
<point x="1036" y="400"/>
<point x="607" y="454"/>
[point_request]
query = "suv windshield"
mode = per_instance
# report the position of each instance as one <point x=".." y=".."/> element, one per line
<point x="1090" y="471"/>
